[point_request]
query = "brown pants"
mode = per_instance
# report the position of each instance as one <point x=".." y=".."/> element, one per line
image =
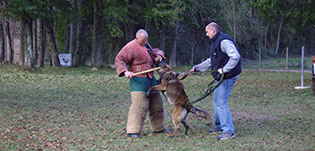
<point x="138" y="109"/>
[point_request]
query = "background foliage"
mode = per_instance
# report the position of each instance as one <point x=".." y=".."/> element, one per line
<point x="270" y="25"/>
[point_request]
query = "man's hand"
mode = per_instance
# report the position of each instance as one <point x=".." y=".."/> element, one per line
<point x="220" y="71"/>
<point x="129" y="74"/>
<point x="158" y="58"/>
<point x="191" y="70"/>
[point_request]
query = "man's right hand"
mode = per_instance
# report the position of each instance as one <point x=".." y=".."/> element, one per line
<point x="129" y="74"/>
<point x="191" y="70"/>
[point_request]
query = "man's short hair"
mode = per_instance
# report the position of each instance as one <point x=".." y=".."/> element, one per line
<point x="213" y="25"/>
<point x="141" y="32"/>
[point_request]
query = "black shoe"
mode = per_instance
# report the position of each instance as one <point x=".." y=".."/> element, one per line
<point x="215" y="130"/>
<point x="134" y="135"/>
<point x="167" y="131"/>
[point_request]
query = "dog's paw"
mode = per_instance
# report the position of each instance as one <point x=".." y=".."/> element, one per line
<point x="171" y="136"/>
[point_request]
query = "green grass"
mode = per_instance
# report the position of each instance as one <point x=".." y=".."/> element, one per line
<point x="79" y="109"/>
<point x="278" y="63"/>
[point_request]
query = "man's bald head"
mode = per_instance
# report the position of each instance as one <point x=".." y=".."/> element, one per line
<point x="142" y="37"/>
<point x="214" y="26"/>
<point x="212" y="29"/>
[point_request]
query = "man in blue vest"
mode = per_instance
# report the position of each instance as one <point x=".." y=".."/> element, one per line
<point x="226" y="60"/>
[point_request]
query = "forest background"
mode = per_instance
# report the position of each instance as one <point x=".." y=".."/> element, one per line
<point x="34" y="32"/>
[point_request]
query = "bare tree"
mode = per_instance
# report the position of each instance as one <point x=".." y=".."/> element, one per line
<point x="162" y="36"/>
<point x="279" y="33"/>
<point x="266" y="34"/>
<point x="30" y="42"/>
<point x="35" y="39"/>
<point x="67" y="36"/>
<point x="42" y="43"/>
<point x="172" y="61"/>
<point x="80" y="36"/>
<point x="22" y="32"/>
<point x="1" y="44"/>
<point x="234" y="22"/>
<point x="73" y="32"/>
<point x="8" y="42"/>
<point x="97" y="44"/>
<point x="53" y="45"/>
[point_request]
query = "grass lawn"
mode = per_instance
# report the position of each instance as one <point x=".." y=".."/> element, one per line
<point x="79" y="109"/>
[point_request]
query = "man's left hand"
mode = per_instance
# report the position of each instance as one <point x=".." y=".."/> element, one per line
<point x="220" y="71"/>
<point x="158" y="58"/>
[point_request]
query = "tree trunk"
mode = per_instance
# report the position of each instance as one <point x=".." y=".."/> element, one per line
<point x="35" y="40"/>
<point x="94" y="50"/>
<point x="266" y="34"/>
<point x="42" y="44"/>
<point x="172" y="61"/>
<point x="67" y="36"/>
<point x="250" y="14"/>
<point x="234" y="23"/>
<point x="8" y="43"/>
<point x="100" y="54"/>
<point x="130" y="29"/>
<point x="81" y="31"/>
<point x="192" y="56"/>
<point x="30" y="43"/>
<point x="53" y="45"/>
<point x="1" y="44"/>
<point x="99" y="44"/>
<point x="279" y="34"/>
<point x="162" y="37"/>
<point x="148" y="20"/>
<point x="78" y="54"/>
<point x="22" y="32"/>
<point x="73" y="33"/>
<point x="96" y="38"/>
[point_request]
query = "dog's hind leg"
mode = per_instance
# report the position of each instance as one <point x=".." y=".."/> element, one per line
<point x="178" y="116"/>
<point x="186" y="126"/>
<point x="176" y="124"/>
<point x="183" y="121"/>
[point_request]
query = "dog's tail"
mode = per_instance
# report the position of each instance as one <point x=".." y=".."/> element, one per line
<point x="201" y="113"/>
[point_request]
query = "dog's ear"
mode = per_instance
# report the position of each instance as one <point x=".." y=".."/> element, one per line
<point x="169" y="76"/>
<point x="166" y="68"/>
<point x="169" y="68"/>
<point x="177" y="74"/>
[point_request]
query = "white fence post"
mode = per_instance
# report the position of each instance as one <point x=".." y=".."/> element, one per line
<point x="302" y="73"/>
<point x="313" y="74"/>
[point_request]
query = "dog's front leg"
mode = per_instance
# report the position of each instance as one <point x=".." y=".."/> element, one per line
<point x="159" y="87"/>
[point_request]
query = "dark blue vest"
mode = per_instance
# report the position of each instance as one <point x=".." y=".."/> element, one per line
<point x="219" y="59"/>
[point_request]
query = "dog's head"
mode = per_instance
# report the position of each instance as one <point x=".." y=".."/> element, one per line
<point x="165" y="68"/>
<point x="169" y="75"/>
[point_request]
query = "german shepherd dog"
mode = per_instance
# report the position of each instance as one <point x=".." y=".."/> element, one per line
<point x="173" y="90"/>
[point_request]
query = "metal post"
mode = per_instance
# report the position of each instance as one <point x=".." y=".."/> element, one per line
<point x="259" y="61"/>
<point x="313" y="74"/>
<point x="302" y="73"/>
<point x="302" y="68"/>
<point x="287" y="59"/>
